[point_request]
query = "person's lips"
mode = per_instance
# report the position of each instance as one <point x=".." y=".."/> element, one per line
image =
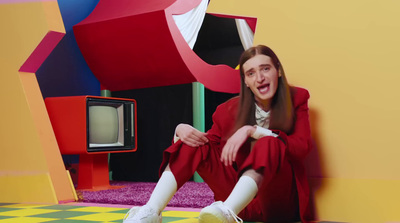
<point x="263" y="88"/>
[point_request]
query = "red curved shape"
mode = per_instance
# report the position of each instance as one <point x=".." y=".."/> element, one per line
<point x="41" y="52"/>
<point x="131" y="44"/>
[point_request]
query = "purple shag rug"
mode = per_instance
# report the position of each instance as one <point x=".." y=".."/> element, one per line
<point x="191" y="194"/>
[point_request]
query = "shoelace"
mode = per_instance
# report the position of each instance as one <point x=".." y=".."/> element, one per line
<point x="230" y="212"/>
<point x="237" y="219"/>
<point x="142" y="212"/>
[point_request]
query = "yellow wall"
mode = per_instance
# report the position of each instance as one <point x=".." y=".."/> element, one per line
<point x="31" y="168"/>
<point x="346" y="54"/>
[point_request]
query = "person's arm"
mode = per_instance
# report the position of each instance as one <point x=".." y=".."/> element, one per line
<point x="189" y="135"/>
<point x="223" y="114"/>
<point x="232" y="146"/>
<point x="261" y="132"/>
<point x="298" y="143"/>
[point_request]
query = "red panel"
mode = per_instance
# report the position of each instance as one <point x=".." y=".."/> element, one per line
<point x="93" y="173"/>
<point x="41" y="52"/>
<point x="136" y="44"/>
<point x="121" y="64"/>
<point x="68" y="118"/>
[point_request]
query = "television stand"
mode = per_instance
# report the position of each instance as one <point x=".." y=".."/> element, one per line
<point x="93" y="173"/>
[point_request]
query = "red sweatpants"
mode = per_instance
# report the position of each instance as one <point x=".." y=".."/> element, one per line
<point x="276" y="200"/>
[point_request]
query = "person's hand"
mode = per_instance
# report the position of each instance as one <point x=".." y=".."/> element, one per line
<point x="232" y="146"/>
<point x="190" y="136"/>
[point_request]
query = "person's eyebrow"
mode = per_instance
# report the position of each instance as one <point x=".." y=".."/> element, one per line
<point x="249" y="70"/>
<point x="265" y="65"/>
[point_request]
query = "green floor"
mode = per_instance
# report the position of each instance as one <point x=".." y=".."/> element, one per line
<point x="24" y="213"/>
<point x="85" y="213"/>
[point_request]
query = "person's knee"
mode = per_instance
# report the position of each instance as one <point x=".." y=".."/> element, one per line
<point x="257" y="177"/>
<point x="167" y="168"/>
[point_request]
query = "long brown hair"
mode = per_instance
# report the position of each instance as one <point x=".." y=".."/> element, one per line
<point x="281" y="106"/>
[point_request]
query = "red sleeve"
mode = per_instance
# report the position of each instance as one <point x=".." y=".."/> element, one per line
<point x="223" y="121"/>
<point x="214" y="134"/>
<point x="298" y="143"/>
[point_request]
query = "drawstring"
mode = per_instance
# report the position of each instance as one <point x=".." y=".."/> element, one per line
<point x="237" y="219"/>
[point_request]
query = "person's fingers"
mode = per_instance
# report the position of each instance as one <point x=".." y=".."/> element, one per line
<point x="204" y="138"/>
<point x="200" y="135"/>
<point x="234" y="155"/>
<point x="187" y="134"/>
<point x="200" y="138"/>
<point x="231" y="152"/>
<point x="193" y="141"/>
<point x="227" y="156"/>
<point x="223" y="154"/>
<point x="191" y="144"/>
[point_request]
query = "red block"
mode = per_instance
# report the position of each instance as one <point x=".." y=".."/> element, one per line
<point x="92" y="127"/>
<point x="131" y="44"/>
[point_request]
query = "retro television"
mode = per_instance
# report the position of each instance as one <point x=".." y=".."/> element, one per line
<point x="93" y="126"/>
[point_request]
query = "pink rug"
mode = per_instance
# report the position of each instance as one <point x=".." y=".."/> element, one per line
<point x="192" y="194"/>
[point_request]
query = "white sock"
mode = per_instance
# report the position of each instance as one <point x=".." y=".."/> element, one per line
<point x="166" y="188"/>
<point x="242" y="194"/>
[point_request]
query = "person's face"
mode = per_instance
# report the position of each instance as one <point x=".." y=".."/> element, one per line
<point x="261" y="76"/>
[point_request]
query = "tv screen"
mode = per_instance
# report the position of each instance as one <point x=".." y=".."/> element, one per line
<point x="110" y="124"/>
<point x="104" y="126"/>
<point x="93" y="124"/>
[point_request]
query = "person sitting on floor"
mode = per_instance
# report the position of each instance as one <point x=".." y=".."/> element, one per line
<point x="252" y="156"/>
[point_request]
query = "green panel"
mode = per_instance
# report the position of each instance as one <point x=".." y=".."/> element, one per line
<point x="198" y="114"/>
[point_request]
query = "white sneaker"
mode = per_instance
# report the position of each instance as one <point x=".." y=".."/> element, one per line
<point x="142" y="214"/>
<point x="217" y="212"/>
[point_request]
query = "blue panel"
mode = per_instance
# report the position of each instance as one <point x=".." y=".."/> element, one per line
<point x="74" y="11"/>
<point x="65" y="72"/>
